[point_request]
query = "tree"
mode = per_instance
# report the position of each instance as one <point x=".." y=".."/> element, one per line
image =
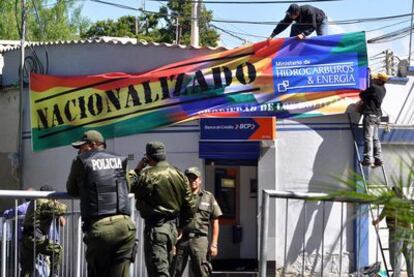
<point x="159" y="26"/>
<point x="8" y="26"/>
<point x="44" y="21"/>
<point x="181" y="10"/>
<point x="125" y="26"/>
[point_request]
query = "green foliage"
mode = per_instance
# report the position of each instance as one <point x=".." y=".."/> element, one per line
<point x="158" y="27"/>
<point x="397" y="197"/>
<point x="61" y="20"/>
<point x="182" y="8"/>
<point x="8" y="26"/>
<point x="124" y="27"/>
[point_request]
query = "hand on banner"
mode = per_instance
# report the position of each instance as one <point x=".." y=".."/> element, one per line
<point x="301" y="36"/>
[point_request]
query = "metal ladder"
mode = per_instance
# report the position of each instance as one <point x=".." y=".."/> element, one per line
<point x="366" y="188"/>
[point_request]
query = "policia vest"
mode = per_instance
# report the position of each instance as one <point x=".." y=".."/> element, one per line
<point x="104" y="189"/>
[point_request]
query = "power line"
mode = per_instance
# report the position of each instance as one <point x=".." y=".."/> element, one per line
<point x="385" y="38"/>
<point x="391" y="25"/>
<point x="228" y="33"/>
<point x="247" y="34"/>
<point x="378" y="54"/>
<point x="126" y="7"/>
<point x="272" y="23"/>
<point x="337" y="22"/>
<point x="251" y="2"/>
<point x="115" y="5"/>
<point x="391" y="36"/>
<point x="372" y="58"/>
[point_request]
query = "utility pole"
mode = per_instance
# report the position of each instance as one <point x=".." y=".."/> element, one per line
<point x="136" y="25"/>
<point x="389" y="61"/>
<point x="145" y="24"/>
<point x="177" y="29"/>
<point x="195" y="29"/>
<point x="411" y="33"/>
<point x="21" y="99"/>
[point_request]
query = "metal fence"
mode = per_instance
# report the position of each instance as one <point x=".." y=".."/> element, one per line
<point x="301" y="212"/>
<point x="73" y="260"/>
<point x="69" y="236"/>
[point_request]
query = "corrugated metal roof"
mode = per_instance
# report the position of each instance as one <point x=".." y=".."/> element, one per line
<point x="103" y="39"/>
<point x="8" y="45"/>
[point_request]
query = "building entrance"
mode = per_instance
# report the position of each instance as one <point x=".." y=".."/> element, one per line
<point x="234" y="185"/>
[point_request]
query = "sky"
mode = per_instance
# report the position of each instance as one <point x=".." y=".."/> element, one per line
<point x="335" y="10"/>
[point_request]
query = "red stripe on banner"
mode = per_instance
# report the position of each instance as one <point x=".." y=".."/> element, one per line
<point x="268" y="48"/>
<point x="41" y="83"/>
<point x="265" y="49"/>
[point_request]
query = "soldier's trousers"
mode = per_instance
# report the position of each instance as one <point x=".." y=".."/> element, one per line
<point x="110" y="242"/>
<point x="159" y="242"/>
<point x="197" y="249"/>
<point x="29" y="250"/>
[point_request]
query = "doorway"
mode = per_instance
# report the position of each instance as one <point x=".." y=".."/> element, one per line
<point x="234" y="184"/>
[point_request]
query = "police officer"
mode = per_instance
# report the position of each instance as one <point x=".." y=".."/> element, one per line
<point x="37" y="222"/>
<point x="194" y="239"/>
<point x="163" y="194"/>
<point x="99" y="178"/>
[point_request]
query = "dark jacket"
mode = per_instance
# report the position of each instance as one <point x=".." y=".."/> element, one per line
<point x="99" y="178"/>
<point x="162" y="191"/>
<point x="308" y="15"/>
<point x="372" y="99"/>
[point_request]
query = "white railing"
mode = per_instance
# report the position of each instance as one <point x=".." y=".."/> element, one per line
<point x="69" y="236"/>
<point x="298" y="215"/>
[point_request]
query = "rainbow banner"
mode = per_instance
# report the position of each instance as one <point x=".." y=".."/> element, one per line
<point x="282" y="77"/>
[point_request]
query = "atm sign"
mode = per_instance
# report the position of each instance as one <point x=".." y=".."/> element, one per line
<point x="259" y="128"/>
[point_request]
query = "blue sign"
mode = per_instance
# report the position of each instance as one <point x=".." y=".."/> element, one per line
<point x="237" y="128"/>
<point x="314" y="74"/>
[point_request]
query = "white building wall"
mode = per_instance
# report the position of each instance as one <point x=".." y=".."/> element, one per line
<point x="399" y="103"/>
<point x="311" y="153"/>
<point x="9" y="129"/>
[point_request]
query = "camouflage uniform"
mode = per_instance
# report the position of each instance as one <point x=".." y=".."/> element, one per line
<point x="36" y="226"/>
<point x="163" y="194"/>
<point x="194" y="242"/>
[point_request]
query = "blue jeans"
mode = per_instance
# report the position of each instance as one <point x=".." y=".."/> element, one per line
<point x="321" y="28"/>
<point x="372" y="145"/>
<point x="400" y="242"/>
